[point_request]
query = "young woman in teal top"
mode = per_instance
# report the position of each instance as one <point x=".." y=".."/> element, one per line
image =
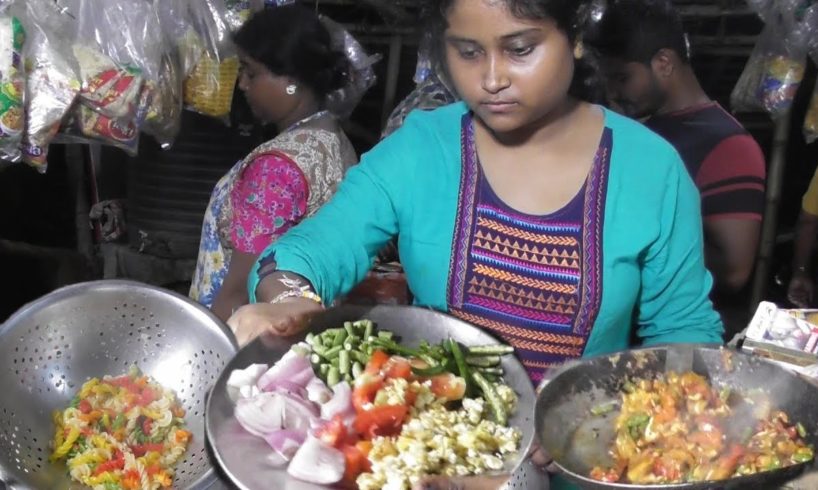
<point x="563" y="228"/>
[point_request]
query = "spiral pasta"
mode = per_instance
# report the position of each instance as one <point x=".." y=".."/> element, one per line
<point x="121" y="433"/>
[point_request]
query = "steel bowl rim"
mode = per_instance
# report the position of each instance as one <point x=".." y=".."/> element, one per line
<point x="578" y="478"/>
<point x="209" y="430"/>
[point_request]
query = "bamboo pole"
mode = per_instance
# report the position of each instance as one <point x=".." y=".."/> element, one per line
<point x="775" y="178"/>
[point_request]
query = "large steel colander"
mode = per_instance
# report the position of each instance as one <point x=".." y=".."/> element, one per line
<point x="50" y="347"/>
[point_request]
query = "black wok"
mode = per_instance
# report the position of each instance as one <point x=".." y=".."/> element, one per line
<point x="578" y="440"/>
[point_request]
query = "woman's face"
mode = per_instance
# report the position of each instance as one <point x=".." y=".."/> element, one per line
<point x="511" y="72"/>
<point x="265" y="92"/>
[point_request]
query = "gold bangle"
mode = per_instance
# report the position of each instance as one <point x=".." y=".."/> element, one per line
<point x="298" y="293"/>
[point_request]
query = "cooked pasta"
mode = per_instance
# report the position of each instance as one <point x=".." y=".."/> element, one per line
<point x="121" y="433"/>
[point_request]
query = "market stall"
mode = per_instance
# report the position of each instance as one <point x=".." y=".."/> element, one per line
<point x="119" y="385"/>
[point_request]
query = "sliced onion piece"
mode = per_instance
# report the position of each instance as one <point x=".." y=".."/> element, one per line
<point x="285" y="442"/>
<point x="292" y="368"/>
<point x="316" y="463"/>
<point x="318" y="391"/>
<point x="241" y="378"/>
<point x="340" y="403"/>
<point x="261" y="414"/>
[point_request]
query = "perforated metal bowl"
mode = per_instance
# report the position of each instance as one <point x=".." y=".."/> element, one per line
<point x="50" y="347"/>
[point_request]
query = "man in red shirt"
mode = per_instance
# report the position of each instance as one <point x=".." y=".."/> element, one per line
<point x="647" y="65"/>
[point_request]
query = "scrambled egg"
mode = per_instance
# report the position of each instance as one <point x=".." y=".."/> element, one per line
<point x="440" y="441"/>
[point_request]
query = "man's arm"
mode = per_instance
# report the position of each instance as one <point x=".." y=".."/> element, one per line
<point x="732" y="180"/>
<point x="730" y="251"/>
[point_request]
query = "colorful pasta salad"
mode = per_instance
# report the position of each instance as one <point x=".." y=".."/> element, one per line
<point x="121" y="433"/>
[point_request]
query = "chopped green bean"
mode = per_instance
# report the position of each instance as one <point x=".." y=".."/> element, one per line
<point x="483" y="361"/>
<point x="343" y="362"/>
<point x="357" y="369"/>
<point x="496" y="371"/>
<point x="339" y="339"/>
<point x="333" y="376"/>
<point x="490" y="350"/>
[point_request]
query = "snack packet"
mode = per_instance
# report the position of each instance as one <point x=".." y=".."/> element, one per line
<point x="12" y="87"/>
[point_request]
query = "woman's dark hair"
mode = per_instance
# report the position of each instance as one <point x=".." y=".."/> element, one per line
<point x="578" y="19"/>
<point x="291" y="41"/>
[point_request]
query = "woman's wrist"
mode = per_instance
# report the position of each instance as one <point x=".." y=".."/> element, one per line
<point x="279" y="283"/>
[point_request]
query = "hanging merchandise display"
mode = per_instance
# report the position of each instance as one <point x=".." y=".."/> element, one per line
<point x="52" y="83"/>
<point x="209" y="87"/>
<point x="12" y="86"/>
<point x="771" y="77"/>
<point x="119" y="56"/>
<point x="164" y="116"/>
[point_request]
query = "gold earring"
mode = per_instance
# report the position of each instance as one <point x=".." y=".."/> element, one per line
<point x="579" y="50"/>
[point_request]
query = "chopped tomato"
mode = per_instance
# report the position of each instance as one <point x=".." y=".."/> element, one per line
<point x="147" y="426"/>
<point x="380" y="421"/>
<point x="397" y="367"/>
<point x="333" y="433"/>
<point x="366" y="387"/>
<point x="84" y="406"/>
<point x="355" y="463"/>
<point x="376" y="362"/>
<point x="153" y="469"/>
<point x="667" y="468"/>
<point x="146" y="397"/>
<point x="142" y="449"/>
<point x="448" y="386"/>
<point x="117" y="463"/>
<point x="125" y="382"/>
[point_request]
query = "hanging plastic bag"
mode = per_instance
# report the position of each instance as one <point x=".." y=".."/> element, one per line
<point x="52" y="83"/>
<point x="117" y="50"/>
<point x="209" y="87"/>
<point x="772" y="75"/>
<point x="764" y="8"/>
<point x="12" y="86"/>
<point x="361" y="77"/>
<point x="163" y="119"/>
<point x="118" y="53"/>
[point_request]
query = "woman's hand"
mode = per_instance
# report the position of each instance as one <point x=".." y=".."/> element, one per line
<point x="283" y="319"/>
<point x="800" y="291"/>
<point x="462" y="482"/>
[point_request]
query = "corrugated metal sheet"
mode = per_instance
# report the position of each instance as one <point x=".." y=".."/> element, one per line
<point x="168" y="191"/>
